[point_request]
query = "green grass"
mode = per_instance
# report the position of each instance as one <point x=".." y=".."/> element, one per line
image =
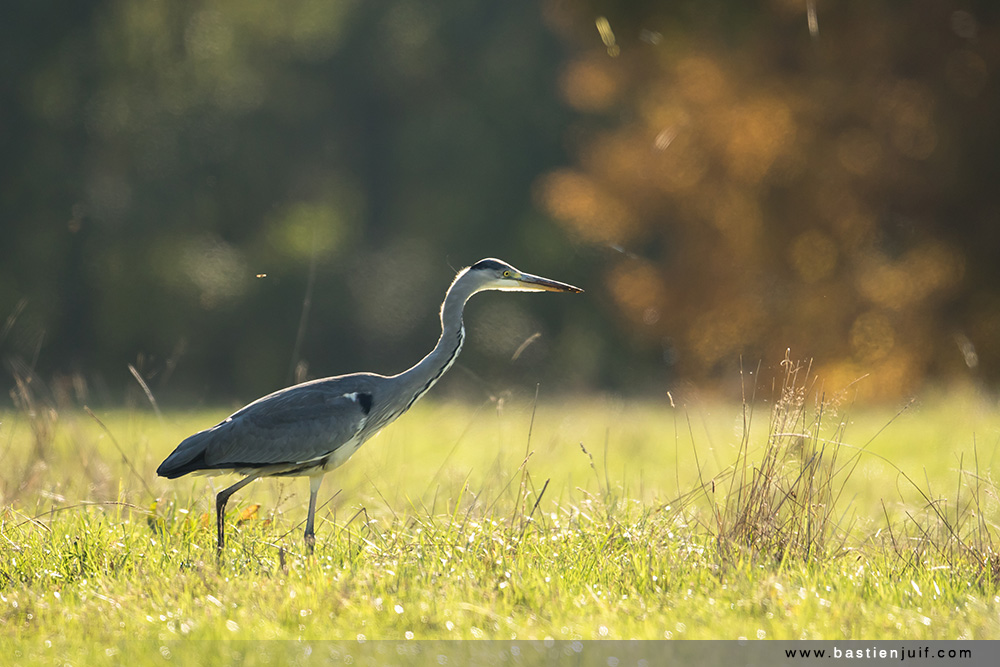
<point x="589" y="519"/>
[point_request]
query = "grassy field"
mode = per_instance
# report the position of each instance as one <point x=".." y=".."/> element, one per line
<point x="777" y="518"/>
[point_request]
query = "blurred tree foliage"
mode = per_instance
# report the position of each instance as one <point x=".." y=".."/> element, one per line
<point x="725" y="178"/>
<point x="820" y="176"/>
<point x="176" y="176"/>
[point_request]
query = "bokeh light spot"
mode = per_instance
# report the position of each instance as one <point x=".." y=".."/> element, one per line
<point x="307" y="229"/>
<point x="859" y="151"/>
<point x="758" y="132"/>
<point x="216" y="268"/>
<point x="967" y="73"/>
<point x="872" y="337"/>
<point x="700" y="80"/>
<point x="640" y="292"/>
<point x="585" y="208"/>
<point x="588" y="85"/>
<point x="813" y="255"/>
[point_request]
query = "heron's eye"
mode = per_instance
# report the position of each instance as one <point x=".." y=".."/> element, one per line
<point x="506" y="274"/>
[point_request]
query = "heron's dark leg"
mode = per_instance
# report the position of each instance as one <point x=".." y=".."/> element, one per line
<point x="220" y="506"/>
<point x="314" y="483"/>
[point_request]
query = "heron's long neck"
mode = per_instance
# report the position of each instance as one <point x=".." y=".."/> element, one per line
<point x="422" y="377"/>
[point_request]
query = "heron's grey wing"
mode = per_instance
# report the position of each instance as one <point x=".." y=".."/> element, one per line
<point x="292" y="426"/>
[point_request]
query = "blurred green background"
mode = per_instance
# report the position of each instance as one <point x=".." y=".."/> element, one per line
<point x="726" y="180"/>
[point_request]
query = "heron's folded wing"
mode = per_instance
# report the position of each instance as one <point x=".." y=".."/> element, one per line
<point x="295" y="426"/>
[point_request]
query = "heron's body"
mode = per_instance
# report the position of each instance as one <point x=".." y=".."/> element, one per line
<point x="314" y="427"/>
<point x="305" y="429"/>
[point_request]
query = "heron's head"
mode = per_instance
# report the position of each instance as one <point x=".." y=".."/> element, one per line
<point x="494" y="274"/>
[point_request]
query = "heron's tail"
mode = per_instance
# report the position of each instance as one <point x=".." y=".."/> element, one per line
<point x="188" y="457"/>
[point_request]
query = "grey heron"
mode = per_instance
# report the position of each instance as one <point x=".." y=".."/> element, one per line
<point x="313" y="427"/>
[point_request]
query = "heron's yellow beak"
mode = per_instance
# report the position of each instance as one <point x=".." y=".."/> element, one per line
<point x="530" y="283"/>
